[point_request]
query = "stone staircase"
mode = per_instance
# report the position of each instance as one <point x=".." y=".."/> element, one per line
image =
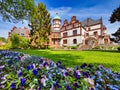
<point x="85" y="47"/>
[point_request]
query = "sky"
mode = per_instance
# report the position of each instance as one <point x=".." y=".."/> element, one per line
<point x="82" y="9"/>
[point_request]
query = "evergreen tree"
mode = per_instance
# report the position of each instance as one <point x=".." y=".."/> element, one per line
<point x="16" y="10"/>
<point x="117" y="35"/>
<point x="41" y="26"/>
<point x="116" y="17"/>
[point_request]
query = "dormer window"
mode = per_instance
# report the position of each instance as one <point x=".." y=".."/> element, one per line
<point x="75" y="32"/>
<point x="89" y="29"/>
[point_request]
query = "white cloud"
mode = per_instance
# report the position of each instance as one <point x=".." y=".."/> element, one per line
<point x="62" y="11"/>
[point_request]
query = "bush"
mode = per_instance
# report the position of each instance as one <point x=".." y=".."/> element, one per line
<point x="6" y="46"/>
<point x="72" y="47"/>
<point x="97" y="47"/>
<point x="19" y="42"/>
<point x="118" y="48"/>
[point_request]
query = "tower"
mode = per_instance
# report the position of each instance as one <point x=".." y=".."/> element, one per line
<point x="56" y="23"/>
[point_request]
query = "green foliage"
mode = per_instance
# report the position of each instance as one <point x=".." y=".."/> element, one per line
<point x="16" y="10"/>
<point x="118" y="48"/>
<point x="115" y="15"/>
<point x="19" y="41"/>
<point x="117" y="35"/>
<point x="41" y="26"/>
<point x="72" y="47"/>
<point x="6" y="46"/>
<point x="3" y="39"/>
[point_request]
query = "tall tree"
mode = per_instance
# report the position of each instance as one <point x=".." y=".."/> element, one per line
<point x="41" y="26"/>
<point x="16" y="10"/>
<point x="116" y="17"/>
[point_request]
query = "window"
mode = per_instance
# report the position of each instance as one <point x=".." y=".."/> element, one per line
<point x="75" y="32"/>
<point x="65" y="41"/>
<point x="22" y="34"/>
<point x="87" y="34"/>
<point x="95" y="33"/>
<point x="74" y="41"/>
<point x="89" y="28"/>
<point x="65" y="34"/>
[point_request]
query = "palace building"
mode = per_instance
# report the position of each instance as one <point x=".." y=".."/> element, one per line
<point x="86" y="34"/>
<point x="25" y="32"/>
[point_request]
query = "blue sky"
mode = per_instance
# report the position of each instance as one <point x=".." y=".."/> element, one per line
<point x="82" y="9"/>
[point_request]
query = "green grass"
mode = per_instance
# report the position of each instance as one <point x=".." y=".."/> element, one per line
<point x="110" y="59"/>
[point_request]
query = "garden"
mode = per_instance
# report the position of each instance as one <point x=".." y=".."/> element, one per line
<point x="20" y="71"/>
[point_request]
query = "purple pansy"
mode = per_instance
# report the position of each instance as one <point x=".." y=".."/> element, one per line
<point x="76" y="75"/>
<point x="76" y="85"/>
<point x="68" y="87"/>
<point x="35" y="72"/>
<point x="23" y="81"/>
<point x="20" y="74"/>
<point x="13" y="85"/>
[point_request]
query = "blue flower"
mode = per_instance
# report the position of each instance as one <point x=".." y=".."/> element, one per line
<point x="90" y="65"/>
<point x="92" y="89"/>
<point x="56" y="85"/>
<point x="83" y="65"/>
<point x="32" y="66"/>
<point x="40" y="87"/>
<point x="13" y="85"/>
<point x="35" y="72"/>
<point x="68" y="87"/>
<point x="86" y="74"/>
<point x="28" y="67"/>
<point x="20" y="74"/>
<point x="76" y="75"/>
<point x="41" y="61"/>
<point x="77" y="67"/>
<point x="45" y="64"/>
<point x="23" y="81"/>
<point x="66" y="73"/>
<point x="76" y="85"/>
<point x="10" y="62"/>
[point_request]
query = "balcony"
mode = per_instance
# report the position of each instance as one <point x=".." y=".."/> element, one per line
<point x="56" y="37"/>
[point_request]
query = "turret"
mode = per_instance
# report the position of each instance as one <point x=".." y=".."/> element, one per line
<point x="56" y="23"/>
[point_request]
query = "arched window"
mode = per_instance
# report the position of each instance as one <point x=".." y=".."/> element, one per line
<point x="74" y="41"/>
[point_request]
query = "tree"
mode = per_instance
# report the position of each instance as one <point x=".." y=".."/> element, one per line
<point x="116" y="17"/>
<point x="16" y="10"/>
<point x="19" y="41"/>
<point x="41" y="26"/>
<point x="117" y="35"/>
<point x="3" y="39"/>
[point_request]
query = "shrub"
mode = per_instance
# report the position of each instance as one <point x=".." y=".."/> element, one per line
<point x="19" y="42"/>
<point x="72" y="47"/>
<point x="97" y="47"/>
<point x="6" y="46"/>
<point x="118" y="48"/>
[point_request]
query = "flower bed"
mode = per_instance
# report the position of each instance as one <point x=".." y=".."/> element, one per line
<point x="19" y="71"/>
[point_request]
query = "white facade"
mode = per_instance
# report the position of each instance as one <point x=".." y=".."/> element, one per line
<point x="74" y="32"/>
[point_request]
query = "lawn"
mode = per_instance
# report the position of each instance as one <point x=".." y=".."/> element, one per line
<point x="109" y="59"/>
